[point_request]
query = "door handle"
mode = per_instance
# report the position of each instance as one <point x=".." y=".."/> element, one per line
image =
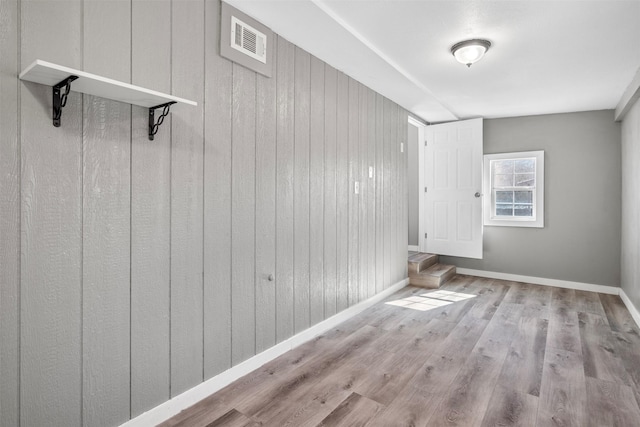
<point x="477" y="194"/>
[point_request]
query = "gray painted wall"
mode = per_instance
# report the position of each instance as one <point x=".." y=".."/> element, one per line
<point x="133" y="270"/>
<point x="631" y="204"/>
<point x="581" y="238"/>
<point x="413" y="181"/>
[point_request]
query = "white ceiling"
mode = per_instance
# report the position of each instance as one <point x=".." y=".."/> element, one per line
<point x="547" y="56"/>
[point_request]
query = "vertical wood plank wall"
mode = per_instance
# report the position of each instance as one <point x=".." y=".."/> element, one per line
<point x="284" y="190"/>
<point x="243" y="145"/>
<point x="187" y="78"/>
<point x="150" y="213"/>
<point x="50" y="297"/>
<point x="217" y="199"/>
<point x="106" y="212"/>
<point x="10" y="205"/>
<point x="353" y="258"/>
<point x="316" y="192"/>
<point x="301" y="102"/>
<point x="330" y="253"/>
<point x="265" y="247"/>
<point x="133" y="270"/>
<point x="342" y="190"/>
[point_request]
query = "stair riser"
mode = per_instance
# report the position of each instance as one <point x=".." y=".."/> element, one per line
<point x="432" y="281"/>
<point x="429" y="282"/>
<point x="447" y="276"/>
<point x="415" y="267"/>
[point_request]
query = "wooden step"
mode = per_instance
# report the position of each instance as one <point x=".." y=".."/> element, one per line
<point x="420" y="261"/>
<point x="433" y="277"/>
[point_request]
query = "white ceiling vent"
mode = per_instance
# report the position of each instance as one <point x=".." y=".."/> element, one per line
<point x="248" y="40"/>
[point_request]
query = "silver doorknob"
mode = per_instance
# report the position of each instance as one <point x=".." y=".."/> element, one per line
<point x="477" y="194"/>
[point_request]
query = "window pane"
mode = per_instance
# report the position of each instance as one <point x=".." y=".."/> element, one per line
<point x="514" y="183"/>
<point x="523" y="210"/>
<point x="525" y="180"/>
<point x="525" y="165"/>
<point x="504" y="210"/>
<point x="503" y="166"/>
<point x="503" y="180"/>
<point x="504" y="196"/>
<point x="524" y="196"/>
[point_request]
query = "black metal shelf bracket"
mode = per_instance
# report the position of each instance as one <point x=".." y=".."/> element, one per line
<point x="60" y="99"/>
<point x="153" y="125"/>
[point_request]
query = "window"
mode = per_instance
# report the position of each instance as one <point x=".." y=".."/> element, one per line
<point x="514" y="189"/>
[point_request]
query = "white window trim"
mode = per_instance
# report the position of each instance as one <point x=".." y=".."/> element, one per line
<point x="538" y="207"/>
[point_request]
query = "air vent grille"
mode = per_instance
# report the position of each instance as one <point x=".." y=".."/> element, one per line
<point x="248" y="40"/>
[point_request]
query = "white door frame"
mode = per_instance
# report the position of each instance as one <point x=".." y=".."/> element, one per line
<point x="422" y="226"/>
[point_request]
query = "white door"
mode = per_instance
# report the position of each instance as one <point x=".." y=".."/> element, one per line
<point x="452" y="171"/>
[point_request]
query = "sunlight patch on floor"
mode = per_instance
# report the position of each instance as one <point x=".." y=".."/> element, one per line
<point x="431" y="300"/>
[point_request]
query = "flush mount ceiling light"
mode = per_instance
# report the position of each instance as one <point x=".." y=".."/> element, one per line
<point x="470" y="51"/>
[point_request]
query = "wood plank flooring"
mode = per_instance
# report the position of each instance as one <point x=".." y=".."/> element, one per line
<point x="476" y="352"/>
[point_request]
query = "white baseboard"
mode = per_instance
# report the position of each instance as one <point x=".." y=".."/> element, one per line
<point x="174" y="406"/>
<point x="632" y="309"/>
<point x="613" y="290"/>
<point x="414" y="248"/>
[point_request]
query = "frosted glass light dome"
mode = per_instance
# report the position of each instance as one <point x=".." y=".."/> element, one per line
<point x="470" y="51"/>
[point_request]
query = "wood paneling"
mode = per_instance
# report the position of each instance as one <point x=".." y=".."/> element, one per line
<point x="187" y="79"/>
<point x="134" y="270"/>
<point x="51" y="224"/>
<point x="284" y="189"/>
<point x="353" y="232"/>
<point x="388" y="201"/>
<point x="372" y="212"/>
<point x="243" y="215"/>
<point x="106" y="211"/>
<point x="363" y="177"/>
<point x="403" y="209"/>
<point x="10" y="205"/>
<point x="379" y="183"/>
<point x="302" y="88"/>
<point x="330" y="196"/>
<point x="403" y="167"/>
<point x="316" y="191"/>
<point x="265" y="211"/>
<point x="342" y="190"/>
<point x="394" y="190"/>
<point x="217" y="200"/>
<point x="150" y="213"/>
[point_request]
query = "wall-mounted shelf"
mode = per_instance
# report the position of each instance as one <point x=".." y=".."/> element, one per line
<point x="63" y="79"/>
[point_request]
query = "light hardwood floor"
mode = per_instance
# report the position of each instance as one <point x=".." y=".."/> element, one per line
<point x="476" y="352"/>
